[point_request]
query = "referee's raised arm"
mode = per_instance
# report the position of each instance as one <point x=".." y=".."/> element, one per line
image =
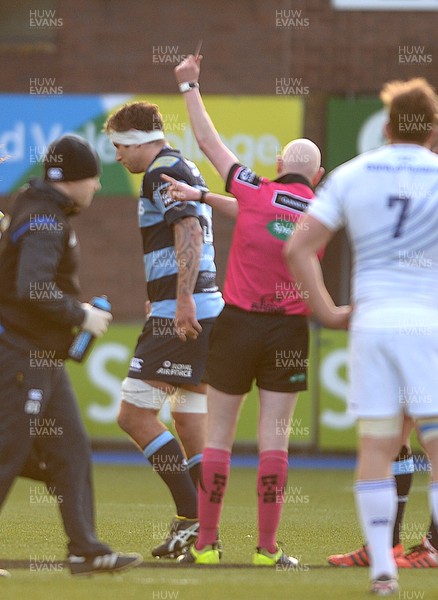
<point x="187" y="75"/>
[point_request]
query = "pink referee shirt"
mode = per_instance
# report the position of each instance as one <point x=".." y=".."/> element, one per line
<point x="257" y="279"/>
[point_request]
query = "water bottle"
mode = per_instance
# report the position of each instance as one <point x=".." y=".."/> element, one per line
<point x="84" y="339"/>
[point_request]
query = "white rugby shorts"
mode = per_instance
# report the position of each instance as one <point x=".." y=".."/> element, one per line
<point x="393" y="370"/>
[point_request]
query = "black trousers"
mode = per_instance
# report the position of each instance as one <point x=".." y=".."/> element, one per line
<point x="38" y="409"/>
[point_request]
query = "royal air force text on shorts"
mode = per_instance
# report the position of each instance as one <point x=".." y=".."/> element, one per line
<point x="413" y="55"/>
<point x="249" y="148"/>
<point x="172" y="369"/>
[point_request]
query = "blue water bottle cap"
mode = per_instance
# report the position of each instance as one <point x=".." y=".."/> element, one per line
<point x="101" y="302"/>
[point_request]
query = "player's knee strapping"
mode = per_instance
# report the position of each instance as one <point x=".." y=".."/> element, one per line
<point x="185" y="401"/>
<point x="142" y="394"/>
<point x="428" y="429"/>
<point x="380" y="428"/>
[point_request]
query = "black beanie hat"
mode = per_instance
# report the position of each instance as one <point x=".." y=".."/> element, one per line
<point x="70" y="158"/>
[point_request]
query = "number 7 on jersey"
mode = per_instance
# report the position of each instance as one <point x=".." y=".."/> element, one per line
<point x="404" y="202"/>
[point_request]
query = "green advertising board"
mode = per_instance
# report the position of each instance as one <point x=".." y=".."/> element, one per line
<point x="320" y="420"/>
<point x="354" y="125"/>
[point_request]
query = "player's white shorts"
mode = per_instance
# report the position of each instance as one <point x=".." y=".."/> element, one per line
<point x="394" y="371"/>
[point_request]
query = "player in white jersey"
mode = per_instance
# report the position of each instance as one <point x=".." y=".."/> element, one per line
<point x="388" y="201"/>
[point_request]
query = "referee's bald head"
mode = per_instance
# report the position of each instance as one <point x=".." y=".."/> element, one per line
<point x="300" y="156"/>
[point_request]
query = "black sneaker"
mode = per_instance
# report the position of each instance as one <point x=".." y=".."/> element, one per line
<point x="104" y="563"/>
<point x="182" y="533"/>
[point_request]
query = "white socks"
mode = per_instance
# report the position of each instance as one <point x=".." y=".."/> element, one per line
<point x="377" y="507"/>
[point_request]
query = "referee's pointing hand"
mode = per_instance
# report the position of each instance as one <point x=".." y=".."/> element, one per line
<point x="188" y="69"/>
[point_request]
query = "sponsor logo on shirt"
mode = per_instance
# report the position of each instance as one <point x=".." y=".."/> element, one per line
<point x="175" y="369"/>
<point x="290" y="202"/>
<point x="281" y="229"/>
<point x="248" y="177"/>
<point x="297" y="377"/>
<point x="163" y="161"/>
<point x="166" y="198"/>
<point x="269" y="303"/>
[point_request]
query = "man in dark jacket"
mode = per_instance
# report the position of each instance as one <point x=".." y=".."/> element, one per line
<point x="39" y="312"/>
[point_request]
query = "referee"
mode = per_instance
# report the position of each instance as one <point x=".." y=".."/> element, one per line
<point x="262" y="333"/>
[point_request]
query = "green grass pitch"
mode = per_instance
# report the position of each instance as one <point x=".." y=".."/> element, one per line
<point x="133" y="512"/>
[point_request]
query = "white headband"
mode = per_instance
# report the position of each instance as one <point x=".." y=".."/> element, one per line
<point x="135" y="136"/>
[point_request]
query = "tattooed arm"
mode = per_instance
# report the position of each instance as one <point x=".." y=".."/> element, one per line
<point x="188" y="248"/>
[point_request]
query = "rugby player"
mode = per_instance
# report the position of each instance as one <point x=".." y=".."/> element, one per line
<point x="388" y="201"/>
<point x="169" y="360"/>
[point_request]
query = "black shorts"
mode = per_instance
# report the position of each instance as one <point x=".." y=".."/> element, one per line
<point x="270" y="348"/>
<point x="162" y="356"/>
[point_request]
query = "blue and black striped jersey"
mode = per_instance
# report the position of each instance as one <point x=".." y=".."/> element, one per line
<point x="157" y="212"/>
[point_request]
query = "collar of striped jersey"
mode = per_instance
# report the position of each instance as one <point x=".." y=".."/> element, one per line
<point x="135" y="136"/>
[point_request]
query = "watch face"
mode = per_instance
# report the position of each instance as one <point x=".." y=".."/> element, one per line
<point x="186" y="86"/>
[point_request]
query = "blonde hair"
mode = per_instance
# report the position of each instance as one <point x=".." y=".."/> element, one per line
<point x="412" y="107"/>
